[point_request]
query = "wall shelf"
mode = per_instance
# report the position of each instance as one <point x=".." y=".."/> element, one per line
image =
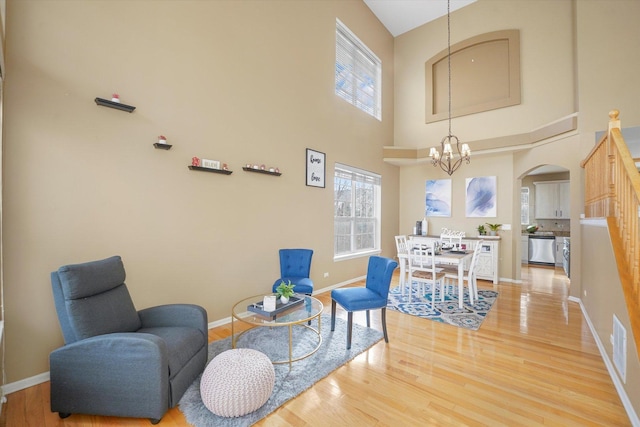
<point x="162" y="146"/>
<point x="266" y="172"/>
<point x="116" y="105"/>
<point x="199" y="168"/>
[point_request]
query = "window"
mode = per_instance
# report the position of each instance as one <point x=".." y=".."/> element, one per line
<point x="524" y="205"/>
<point x="358" y="72"/>
<point x="356" y="212"/>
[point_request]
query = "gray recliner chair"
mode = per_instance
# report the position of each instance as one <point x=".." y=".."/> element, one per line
<point x="117" y="361"/>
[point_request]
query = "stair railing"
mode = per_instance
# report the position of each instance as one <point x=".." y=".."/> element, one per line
<point x="612" y="191"/>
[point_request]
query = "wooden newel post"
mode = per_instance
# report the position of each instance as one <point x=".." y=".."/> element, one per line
<point x="614" y="121"/>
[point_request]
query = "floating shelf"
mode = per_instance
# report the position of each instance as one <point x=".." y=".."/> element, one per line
<point x="199" y="168"/>
<point x="116" y="105"/>
<point x="266" y="172"/>
<point x="162" y="146"/>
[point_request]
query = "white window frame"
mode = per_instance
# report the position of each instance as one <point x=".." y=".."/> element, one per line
<point x="359" y="180"/>
<point x="357" y="67"/>
<point x="524" y="205"/>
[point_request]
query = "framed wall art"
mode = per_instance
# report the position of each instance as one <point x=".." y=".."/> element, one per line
<point x="481" y="197"/>
<point x="316" y="168"/>
<point x="438" y="198"/>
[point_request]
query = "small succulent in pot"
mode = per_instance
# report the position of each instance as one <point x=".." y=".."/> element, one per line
<point x="493" y="228"/>
<point x="285" y="291"/>
<point x="481" y="230"/>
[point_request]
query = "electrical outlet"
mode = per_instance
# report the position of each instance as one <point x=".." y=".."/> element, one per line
<point x="326" y="275"/>
<point x="585" y="292"/>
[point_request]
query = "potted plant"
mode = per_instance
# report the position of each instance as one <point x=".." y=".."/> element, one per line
<point x="493" y="228"/>
<point x="285" y="291"/>
<point x="481" y="230"/>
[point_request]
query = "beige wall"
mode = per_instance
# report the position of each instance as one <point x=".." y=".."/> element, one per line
<point x="83" y="182"/>
<point x="602" y="298"/>
<point x="547" y="95"/>
<point x="412" y="201"/>
<point x="608" y="63"/>
<point x="562" y="152"/>
<point x="546" y="67"/>
<point x="237" y="81"/>
<point x="576" y="56"/>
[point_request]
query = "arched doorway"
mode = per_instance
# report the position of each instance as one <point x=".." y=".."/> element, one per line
<point x="545" y="226"/>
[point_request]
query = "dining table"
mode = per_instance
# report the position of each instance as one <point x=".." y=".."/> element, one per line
<point x="459" y="258"/>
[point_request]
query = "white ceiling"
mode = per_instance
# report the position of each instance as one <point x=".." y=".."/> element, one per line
<point x="400" y="16"/>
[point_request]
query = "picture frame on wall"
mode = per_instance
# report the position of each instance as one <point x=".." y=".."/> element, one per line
<point x="438" y="198"/>
<point x="316" y="168"/>
<point x="481" y="194"/>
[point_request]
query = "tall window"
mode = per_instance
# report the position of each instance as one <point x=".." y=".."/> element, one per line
<point x="356" y="227"/>
<point x="524" y="205"/>
<point x="358" y="72"/>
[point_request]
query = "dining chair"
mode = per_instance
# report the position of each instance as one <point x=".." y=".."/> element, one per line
<point x="403" y="259"/>
<point x="451" y="237"/>
<point x="423" y="270"/>
<point x="372" y="296"/>
<point x="470" y="277"/>
<point x="295" y="266"/>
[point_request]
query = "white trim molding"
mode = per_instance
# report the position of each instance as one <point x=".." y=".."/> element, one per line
<point x="633" y="417"/>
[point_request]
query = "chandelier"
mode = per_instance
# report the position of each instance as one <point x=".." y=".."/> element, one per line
<point x="448" y="159"/>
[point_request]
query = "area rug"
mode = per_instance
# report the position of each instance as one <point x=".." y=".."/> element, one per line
<point x="469" y="316"/>
<point x="304" y="373"/>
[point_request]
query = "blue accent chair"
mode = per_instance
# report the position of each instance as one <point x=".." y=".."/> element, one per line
<point x="117" y="361"/>
<point x="295" y="265"/>
<point x="373" y="296"/>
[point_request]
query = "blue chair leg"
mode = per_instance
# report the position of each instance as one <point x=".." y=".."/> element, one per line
<point x="349" y="325"/>
<point x="333" y="315"/>
<point x="384" y="324"/>
<point x="368" y="320"/>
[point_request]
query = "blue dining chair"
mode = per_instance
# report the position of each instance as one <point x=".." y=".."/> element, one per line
<point x="295" y="265"/>
<point x="373" y="296"/>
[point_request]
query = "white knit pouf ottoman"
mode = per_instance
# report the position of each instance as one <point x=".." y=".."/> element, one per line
<point x="237" y="382"/>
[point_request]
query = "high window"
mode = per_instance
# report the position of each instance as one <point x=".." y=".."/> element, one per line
<point x="356" y="212"/>
<point x="524" y="205"/>
<point x="358" y="72"/>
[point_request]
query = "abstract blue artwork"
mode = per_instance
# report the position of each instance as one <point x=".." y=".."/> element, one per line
<point x="481" y="197"/>
<point x="438" y="198"/>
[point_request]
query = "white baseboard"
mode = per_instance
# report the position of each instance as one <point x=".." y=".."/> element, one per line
<point x="633" y="417"/>
<point x="504" y="279"/>
<point x="25" y="383"/>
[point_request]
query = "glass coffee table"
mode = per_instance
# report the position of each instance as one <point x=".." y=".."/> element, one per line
<point x="299" y="315"/>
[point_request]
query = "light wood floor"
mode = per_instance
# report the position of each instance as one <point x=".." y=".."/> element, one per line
<point x="533" y="362"/>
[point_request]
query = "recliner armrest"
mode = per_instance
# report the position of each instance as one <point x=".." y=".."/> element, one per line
<point x="189" y="315"/>
<point x="88" y="376"/>
<point x="118" y="346"/>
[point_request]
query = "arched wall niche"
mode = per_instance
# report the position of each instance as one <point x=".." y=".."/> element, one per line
<point x="485" y="75"/>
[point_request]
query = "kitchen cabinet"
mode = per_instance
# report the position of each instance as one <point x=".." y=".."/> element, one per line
<point x="524" y="249"/>
<point x="559" y="253"/>
<point x="487" y="262"/>
<point x="552" y="200"/>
